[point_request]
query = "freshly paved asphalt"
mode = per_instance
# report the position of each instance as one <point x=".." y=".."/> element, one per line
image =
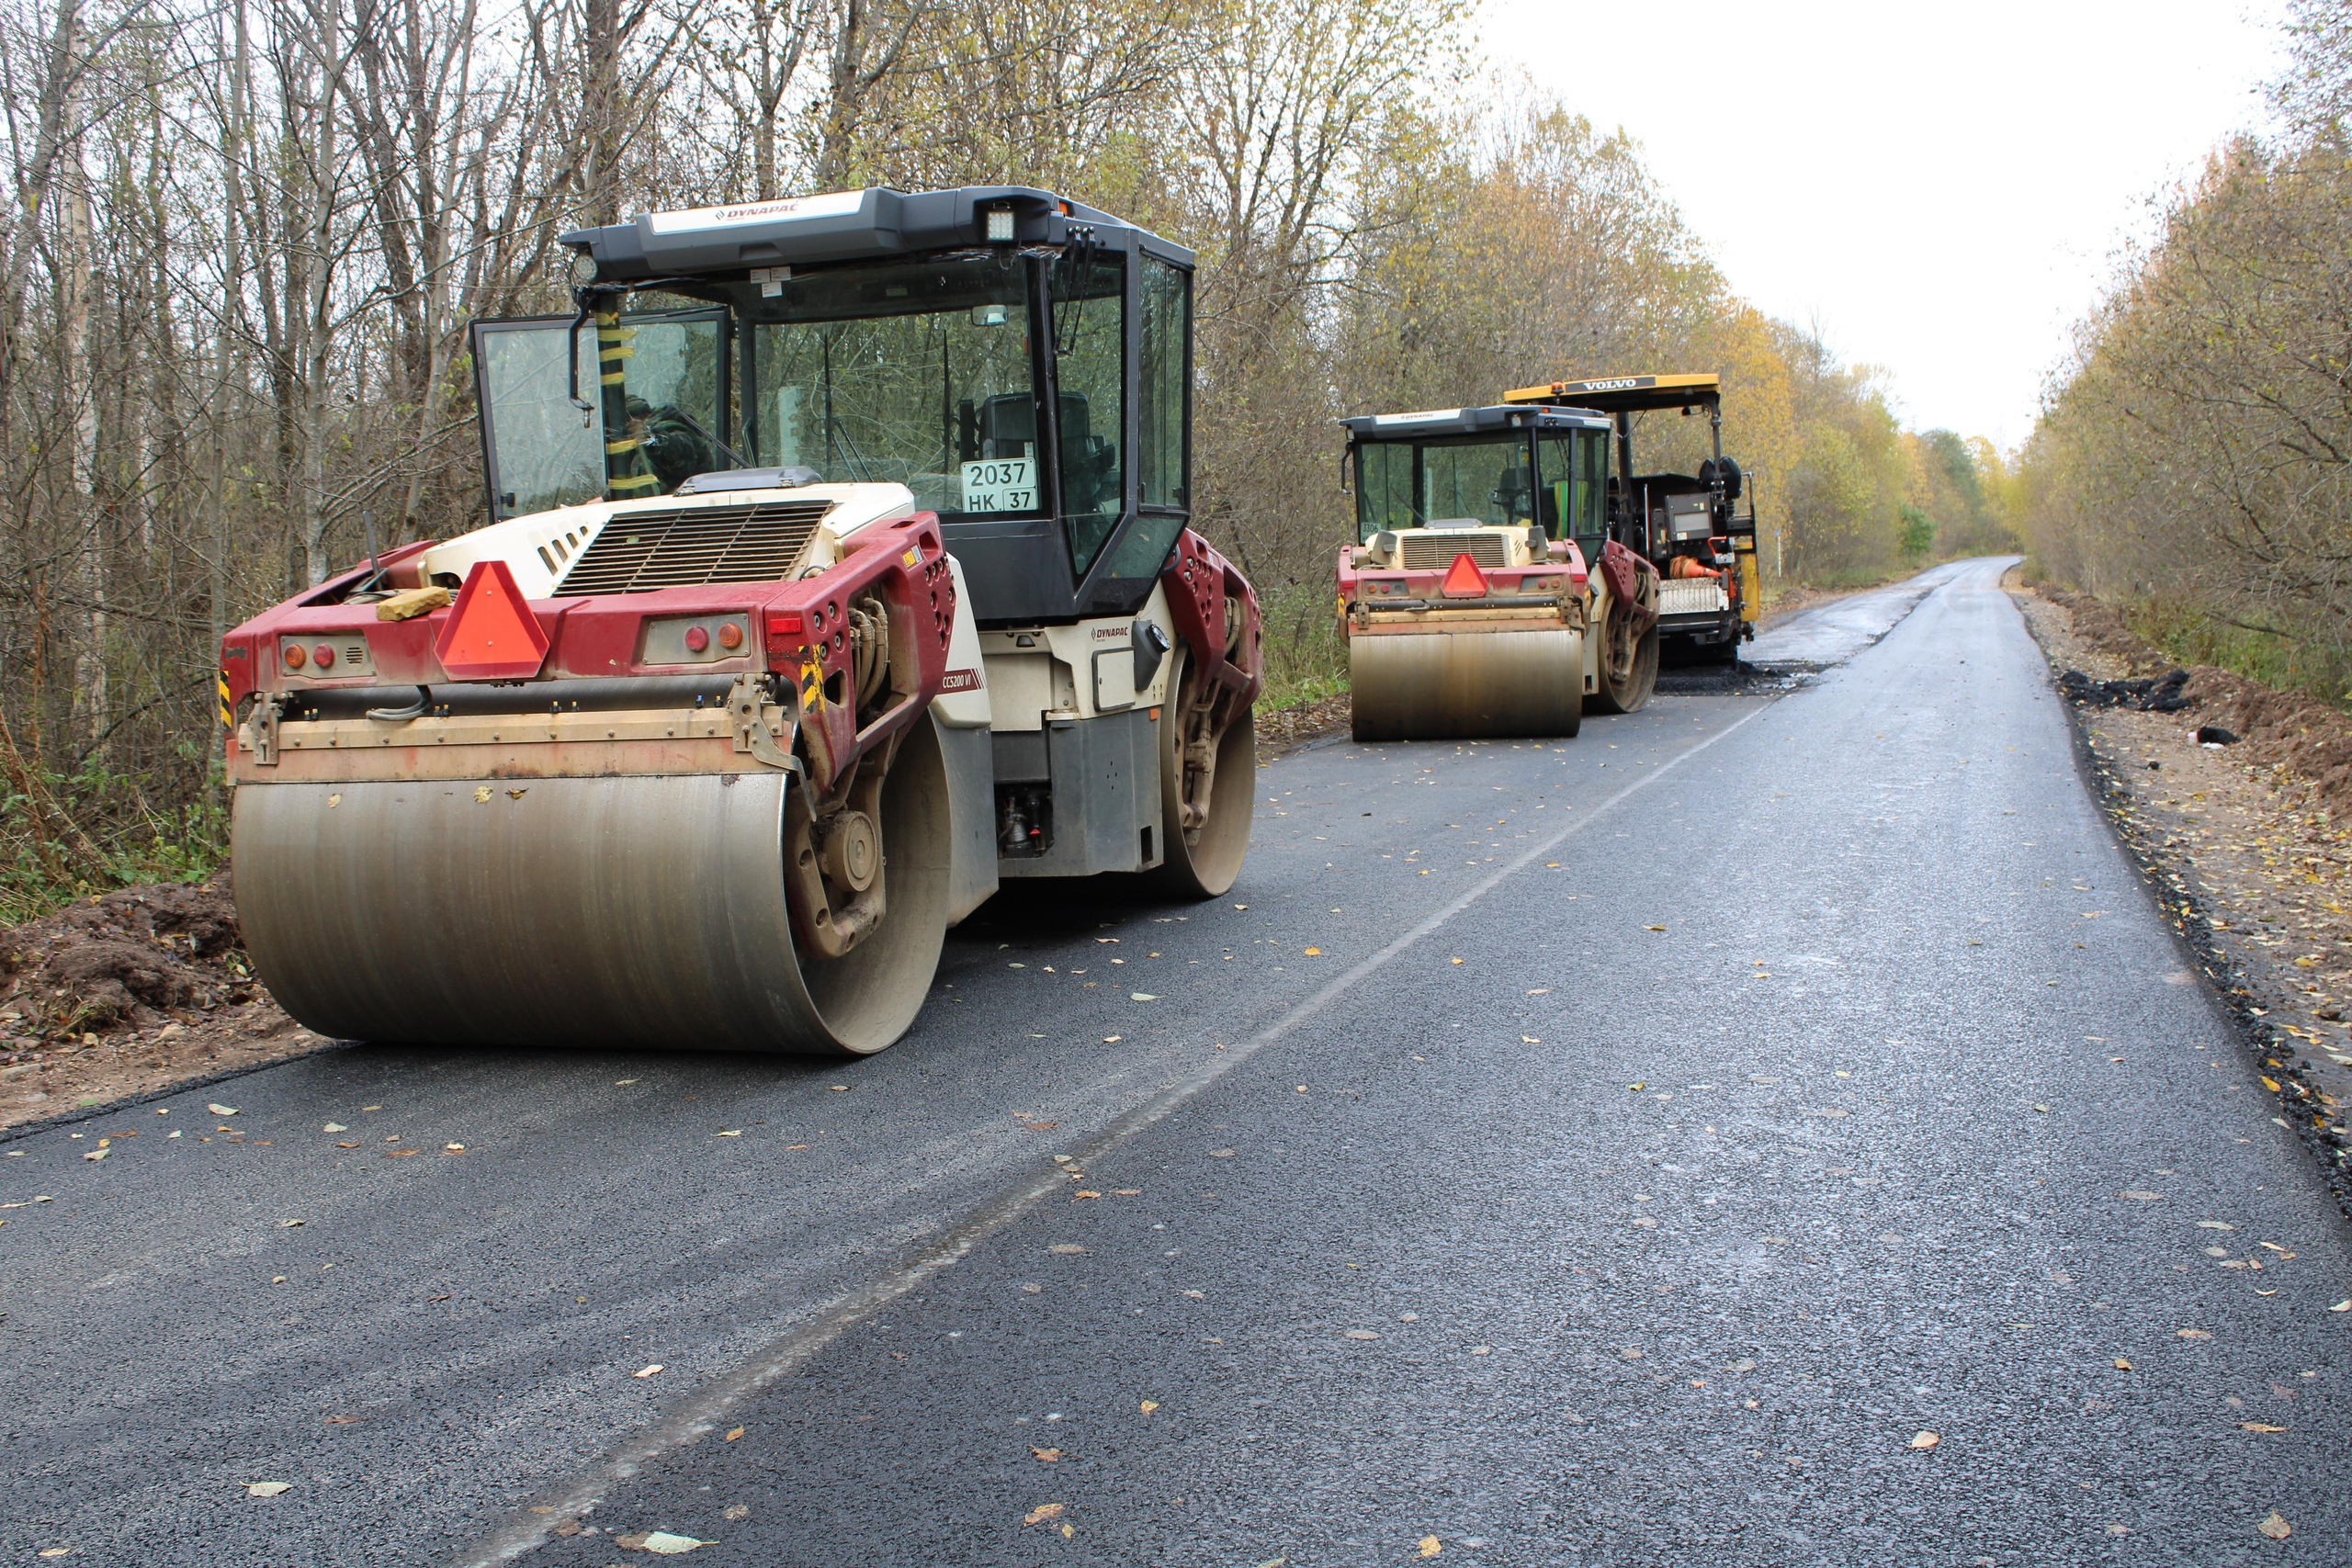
<point x="1641" y="1207"/>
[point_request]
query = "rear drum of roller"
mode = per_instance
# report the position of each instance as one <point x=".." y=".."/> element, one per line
<point x="1204" y="863"/>
<point x="619" y="911"/>
<point x="1457" y="685"/>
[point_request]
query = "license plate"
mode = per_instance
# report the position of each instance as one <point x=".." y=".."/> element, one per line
<point x="1001" y="484"/>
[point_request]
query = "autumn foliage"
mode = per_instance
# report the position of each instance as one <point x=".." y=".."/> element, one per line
<point x="248" y="240"/>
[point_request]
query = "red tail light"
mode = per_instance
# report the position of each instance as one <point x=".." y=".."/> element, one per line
<point x="323" y="656"/>
<point x="786" y="623"/>
<point x="1463" y="580"/>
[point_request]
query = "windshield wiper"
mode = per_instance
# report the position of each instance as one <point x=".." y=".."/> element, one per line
<point x="858" y="469"/>
<point x="734" y="458"/>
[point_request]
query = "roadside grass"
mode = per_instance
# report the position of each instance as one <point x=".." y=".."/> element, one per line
<point x="2273" y="659"/>
<point x="1306" y="661"/>
<point x="64" y="837"/>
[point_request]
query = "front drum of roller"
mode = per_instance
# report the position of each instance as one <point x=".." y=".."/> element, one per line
<point x="1437" y="685"/>
<point x="618" y="911"/>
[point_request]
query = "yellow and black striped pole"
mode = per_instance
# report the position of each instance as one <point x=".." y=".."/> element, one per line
<point x="628" y="475"/>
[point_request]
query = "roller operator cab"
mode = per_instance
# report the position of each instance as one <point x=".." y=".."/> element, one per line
<point x="837" y="568"/>
<point x="1688" y="526"/>
<point x="1483" y="596"/>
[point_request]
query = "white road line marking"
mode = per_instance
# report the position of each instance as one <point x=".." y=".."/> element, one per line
<point x="704" y="1411"/>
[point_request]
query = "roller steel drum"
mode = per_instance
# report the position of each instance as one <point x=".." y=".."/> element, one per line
<point x="1449" y="686"/>
<point x="633" y="910"/>
<point x="1204" y="863"/>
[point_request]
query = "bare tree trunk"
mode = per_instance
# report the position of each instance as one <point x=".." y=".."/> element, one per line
<point x="76" y="284"/>
<point x="234" y="141"/>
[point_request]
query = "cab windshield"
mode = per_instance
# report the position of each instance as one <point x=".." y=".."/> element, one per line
<point x="917" y="373"/>
<point x="1455" y="482"/>
<point x="929" y="373"/>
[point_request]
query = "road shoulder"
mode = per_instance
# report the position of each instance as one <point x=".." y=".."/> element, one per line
<point x="2246" y="855"/>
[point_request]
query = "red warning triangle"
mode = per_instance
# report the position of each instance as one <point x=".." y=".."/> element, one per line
<point x="492" y="634"/>
<point x="1463" y="580"/>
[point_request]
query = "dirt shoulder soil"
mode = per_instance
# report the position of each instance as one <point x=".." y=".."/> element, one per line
<point x="120" y="995"/>
<point x="2248" y="845"/>
<point x="1294" y="727"/>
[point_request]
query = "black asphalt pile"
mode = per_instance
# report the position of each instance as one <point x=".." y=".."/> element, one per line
<point x="2159" y="694"/>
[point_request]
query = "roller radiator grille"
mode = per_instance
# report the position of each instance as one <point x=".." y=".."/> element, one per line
<point x="1422" y="551"/>
<point x="638" y="552"/>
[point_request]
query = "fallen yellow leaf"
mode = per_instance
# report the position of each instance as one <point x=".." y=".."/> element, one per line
<point x="1431" y="1546"/>
<point x="1041" y="1512"/>
<point x="735" y="1433"/>
<point x="1314" y="953"/>
<point x="1149" y="1406"/>
<point x="1926" y="1441"/>
<point x="2121" y="1365"/>
<point x="2276" y="1527"/>
<point x="2258" y="1426"/>
<point x="1048" y="1456"/>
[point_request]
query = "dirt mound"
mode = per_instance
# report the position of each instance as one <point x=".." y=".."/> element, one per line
<point x="1293" y="727"/>
<point x="2285" y="731"/>
<point x="2287" y="728"/>
<point x="125" y="958"/>
<point x="2098" y="624"/>
<point x="129" y="992"/>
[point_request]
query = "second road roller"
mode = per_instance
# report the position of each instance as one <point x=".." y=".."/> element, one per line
<point x="1484" y="595"/>
<point x="836" y="569"/>
<point x="1504" y="579"/>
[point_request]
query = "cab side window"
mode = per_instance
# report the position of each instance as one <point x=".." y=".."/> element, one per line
<point x="1383" y="487"/>
<point x="1089" y="339"/>
<point x="1574" y="484"/>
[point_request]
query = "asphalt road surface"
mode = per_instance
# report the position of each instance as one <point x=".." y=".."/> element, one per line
<point x="1618" y="1151"/>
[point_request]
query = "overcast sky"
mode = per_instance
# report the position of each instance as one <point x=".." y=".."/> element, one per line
<point x="1942" y="188"/>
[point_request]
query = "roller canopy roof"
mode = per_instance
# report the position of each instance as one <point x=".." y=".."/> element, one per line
<point x="852" y="225"/>
<point x="1624" y="394"/>
<point x="1461" y="422"/>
